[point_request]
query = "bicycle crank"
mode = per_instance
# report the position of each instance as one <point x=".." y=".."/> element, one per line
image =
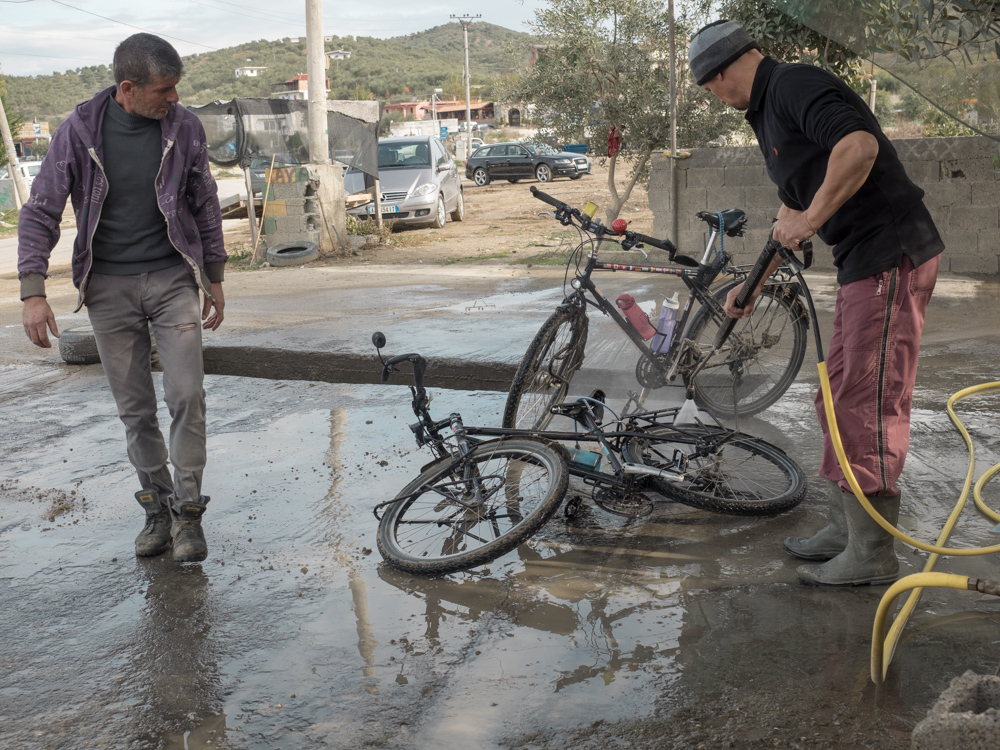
<point x="647" y="375"/>
<point x="626" y="503"/>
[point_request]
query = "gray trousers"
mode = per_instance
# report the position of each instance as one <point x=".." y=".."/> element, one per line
<point x="121" y="309"/>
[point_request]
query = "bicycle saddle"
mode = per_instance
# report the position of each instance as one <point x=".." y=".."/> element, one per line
<point x="734" y="219"/>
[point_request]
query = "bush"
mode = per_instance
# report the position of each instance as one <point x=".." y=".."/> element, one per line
<point x="370" y="228"/>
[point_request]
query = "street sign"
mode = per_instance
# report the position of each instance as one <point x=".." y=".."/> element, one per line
<point x="444" y="132"/>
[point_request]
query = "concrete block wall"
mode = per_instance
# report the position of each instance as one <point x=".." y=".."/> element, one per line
<point x="291" y="212"/>
<point x="959" y="176"/>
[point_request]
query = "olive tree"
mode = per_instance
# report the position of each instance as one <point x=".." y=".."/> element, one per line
<point x="13" y="120"/>
<point x="603" y="64"/>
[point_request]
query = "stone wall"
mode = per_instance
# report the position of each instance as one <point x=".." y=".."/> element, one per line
<point x="959" y="176"/>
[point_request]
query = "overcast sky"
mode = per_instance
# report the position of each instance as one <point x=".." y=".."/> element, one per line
<point x="42" y="36"/>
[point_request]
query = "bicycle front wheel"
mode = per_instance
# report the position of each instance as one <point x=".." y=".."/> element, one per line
<point x="460" y="513"/>
<point x="553" y="357"/>
<point x="759" y="360"/>
<point x="740" y="475"/>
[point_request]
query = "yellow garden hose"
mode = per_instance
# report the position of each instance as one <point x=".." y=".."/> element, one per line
<point x="882" y="651"/>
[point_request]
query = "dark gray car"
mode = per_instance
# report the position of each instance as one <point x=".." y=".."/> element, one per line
<point x="420" y="183"/>
<point x="524" y="161"/>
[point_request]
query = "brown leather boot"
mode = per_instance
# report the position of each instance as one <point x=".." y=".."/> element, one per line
<point x="188" y="537"/>
<point x="154" y="539"/>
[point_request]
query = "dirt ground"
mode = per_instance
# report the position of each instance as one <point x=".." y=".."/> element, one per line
<point x="501" y="225"/>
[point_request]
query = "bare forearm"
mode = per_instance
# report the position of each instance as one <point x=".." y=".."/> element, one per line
<point x="850" y="163"/>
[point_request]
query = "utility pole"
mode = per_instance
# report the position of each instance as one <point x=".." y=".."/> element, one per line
<point x="319" y="145"/>
<point x="20" y="189"/>
<point x="434" y="112"/>
<point x="674" y="211"/>
<point x="466" y="22"/>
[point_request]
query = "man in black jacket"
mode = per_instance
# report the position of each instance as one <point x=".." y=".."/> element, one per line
<point x="839" y="177"/>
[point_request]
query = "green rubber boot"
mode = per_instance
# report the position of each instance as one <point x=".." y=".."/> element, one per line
<point x="829" y="541"/>
<point x="188" y="536"/>
<point x="869" y="557"/>
<point x="154" y="539"/>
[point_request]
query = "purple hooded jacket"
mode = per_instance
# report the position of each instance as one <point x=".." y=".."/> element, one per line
<point x="73" y="167"/>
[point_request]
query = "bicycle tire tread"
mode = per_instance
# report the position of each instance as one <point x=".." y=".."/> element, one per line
<point x="529" y="366"/>
<point x="792" y="495"/>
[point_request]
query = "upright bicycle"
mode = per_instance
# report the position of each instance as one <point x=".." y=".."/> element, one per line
<point x="490" y="489"/>
<point x="741" y="375"/>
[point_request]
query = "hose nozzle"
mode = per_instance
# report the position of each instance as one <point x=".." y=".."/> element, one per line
<point x="984" y="587"/>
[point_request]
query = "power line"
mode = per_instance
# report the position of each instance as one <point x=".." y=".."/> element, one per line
<point x="122" y="23"/>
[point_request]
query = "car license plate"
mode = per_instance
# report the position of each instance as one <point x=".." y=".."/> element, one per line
<point x="385" y="209"/>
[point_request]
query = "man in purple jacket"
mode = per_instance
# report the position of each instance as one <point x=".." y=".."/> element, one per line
<point x="149" y="237"/>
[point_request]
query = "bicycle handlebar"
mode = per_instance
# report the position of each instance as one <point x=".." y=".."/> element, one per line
<point x="546" y="198"/>
<point x="419" y="366"/>
<point x="566" y="213"/>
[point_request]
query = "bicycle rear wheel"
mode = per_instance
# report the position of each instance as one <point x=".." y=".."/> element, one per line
<point x="759" y="360"/>
<point x="742" y="475"/>
<point x="553" y="357"/>
<point x="462" y="513"/>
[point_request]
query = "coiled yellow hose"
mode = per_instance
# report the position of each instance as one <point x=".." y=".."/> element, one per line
<point x="882" y="651"/>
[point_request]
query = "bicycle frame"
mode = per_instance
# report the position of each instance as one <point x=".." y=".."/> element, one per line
<point x="427" y="431"/>
<point x="714" y="263"/>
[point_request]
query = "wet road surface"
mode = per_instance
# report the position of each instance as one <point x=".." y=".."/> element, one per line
<point x="681" y="630"/>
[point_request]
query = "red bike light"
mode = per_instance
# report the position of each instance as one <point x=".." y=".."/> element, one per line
<point x="618" y="226"/>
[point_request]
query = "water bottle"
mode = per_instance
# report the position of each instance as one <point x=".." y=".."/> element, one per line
<point x="635" y="316"/>
<point x="665" y="325"/>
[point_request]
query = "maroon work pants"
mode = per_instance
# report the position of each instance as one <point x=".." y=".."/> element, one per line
<point x="872" y="364"/>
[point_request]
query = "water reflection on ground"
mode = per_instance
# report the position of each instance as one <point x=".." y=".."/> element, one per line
<point x="674" y="631"/>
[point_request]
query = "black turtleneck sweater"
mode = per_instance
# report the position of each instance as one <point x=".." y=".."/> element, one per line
<point x="131" y="236"/>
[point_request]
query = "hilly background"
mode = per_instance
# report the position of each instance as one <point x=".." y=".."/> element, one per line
<point x="406" y="67"/>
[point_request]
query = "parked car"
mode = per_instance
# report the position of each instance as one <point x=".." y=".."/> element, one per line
<point x="419" y="179"/>
<point x="28" y="170"/>
<point x="518" y="161"/>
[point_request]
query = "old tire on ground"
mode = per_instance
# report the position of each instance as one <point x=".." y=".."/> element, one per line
<point x="77" y="346"/>
<point x="292" y="253"/>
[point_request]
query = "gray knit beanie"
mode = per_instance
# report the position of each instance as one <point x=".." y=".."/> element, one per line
<point x="715" y="47"/>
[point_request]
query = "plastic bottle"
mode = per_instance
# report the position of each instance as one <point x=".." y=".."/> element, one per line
<point x="635" y="316"/>
<point x="665" y="325"/>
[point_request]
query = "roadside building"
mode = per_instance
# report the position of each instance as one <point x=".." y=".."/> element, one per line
<point x="295" y="88"/>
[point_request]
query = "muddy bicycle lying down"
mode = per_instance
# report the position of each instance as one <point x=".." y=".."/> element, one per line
<point x="491" y="488"/>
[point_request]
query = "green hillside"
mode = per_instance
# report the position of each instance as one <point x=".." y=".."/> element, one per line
<point x="398" y="68"/>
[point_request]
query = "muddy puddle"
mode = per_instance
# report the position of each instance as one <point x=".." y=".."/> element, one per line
<point x="685" y="629"/>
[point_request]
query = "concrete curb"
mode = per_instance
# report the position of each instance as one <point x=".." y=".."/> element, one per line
<point x="347" y="367"/>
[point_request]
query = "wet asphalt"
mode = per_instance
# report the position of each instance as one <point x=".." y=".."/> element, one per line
<point x="684" y="629"/>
